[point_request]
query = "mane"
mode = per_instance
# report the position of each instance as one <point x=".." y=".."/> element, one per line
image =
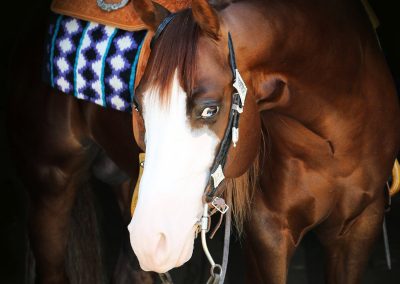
<point x="241" y="191"/>
<point x="174" y="50"/>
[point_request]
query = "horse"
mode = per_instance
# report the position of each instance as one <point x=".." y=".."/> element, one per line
<point x="286" y="110"/>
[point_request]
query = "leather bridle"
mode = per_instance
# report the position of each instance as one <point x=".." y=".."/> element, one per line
<point x="212" y="202"/>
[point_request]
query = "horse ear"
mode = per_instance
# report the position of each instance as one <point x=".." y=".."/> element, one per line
<point x="151" y="13"/>
<point x="206" y="17"/>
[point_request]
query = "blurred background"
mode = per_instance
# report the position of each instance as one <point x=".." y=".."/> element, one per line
<point x="307" y="265"/>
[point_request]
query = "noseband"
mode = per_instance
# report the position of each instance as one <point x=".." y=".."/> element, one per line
<point x="212" y="202"/>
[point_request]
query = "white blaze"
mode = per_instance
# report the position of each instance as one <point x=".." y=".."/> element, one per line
<point x="178" y="160"/>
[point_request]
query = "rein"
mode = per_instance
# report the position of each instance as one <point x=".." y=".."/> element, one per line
<point x="210" y="198"/>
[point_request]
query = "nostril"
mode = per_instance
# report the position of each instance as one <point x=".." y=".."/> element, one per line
<point x="161" y="247"/>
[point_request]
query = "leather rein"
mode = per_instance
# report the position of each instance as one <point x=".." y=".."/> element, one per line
<point x="213" y="203"/>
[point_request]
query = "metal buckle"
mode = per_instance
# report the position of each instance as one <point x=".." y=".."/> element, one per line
<point x="219" y="204"/>
<point x="111" y="6"/>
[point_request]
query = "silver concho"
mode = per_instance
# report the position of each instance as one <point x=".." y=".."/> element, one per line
<point x="218" y="176"/>
<point x="111" y="6"/>
<point x="240" y="86"/>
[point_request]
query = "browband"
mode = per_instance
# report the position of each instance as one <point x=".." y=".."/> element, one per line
<point x="161" y="28"/>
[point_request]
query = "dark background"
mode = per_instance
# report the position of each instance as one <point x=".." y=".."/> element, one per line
<point x="307" y="263"/>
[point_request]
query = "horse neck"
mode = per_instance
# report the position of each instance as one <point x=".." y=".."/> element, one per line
<point x="318" y="46"/>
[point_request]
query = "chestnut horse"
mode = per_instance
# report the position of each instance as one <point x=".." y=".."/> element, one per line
<point x="317" y="136"/>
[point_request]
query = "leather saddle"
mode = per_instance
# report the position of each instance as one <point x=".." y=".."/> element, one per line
<point x="123" y="18"/>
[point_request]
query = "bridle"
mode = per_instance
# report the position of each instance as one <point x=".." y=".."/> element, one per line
<point x="212" y="202"/>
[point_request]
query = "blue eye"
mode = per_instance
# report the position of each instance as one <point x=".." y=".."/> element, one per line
<point x="209" y="112"/>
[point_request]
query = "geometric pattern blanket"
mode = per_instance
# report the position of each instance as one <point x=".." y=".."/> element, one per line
<point x="92" y="62"/>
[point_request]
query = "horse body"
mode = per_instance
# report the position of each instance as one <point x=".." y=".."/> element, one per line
<point x="330" y="141"/>
<point x="327" y="105"/>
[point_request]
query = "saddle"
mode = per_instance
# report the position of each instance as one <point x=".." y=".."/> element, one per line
<point x="123" y="18"/>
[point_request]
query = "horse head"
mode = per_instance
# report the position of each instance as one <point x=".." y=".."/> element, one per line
<point x="184" y="104"/>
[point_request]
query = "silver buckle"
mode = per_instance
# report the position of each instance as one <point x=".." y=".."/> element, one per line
<point x="111" y="6"/>
<point x="219" y="204"/>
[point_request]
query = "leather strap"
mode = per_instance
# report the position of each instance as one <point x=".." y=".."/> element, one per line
<point x="161" y="28"/>
<point x="233" y="123"/>
<point x="386" y="243"/>
<point x="219" y="278"/>
<point x="165" y="278"/>
<point x="135" y="196"/>
<point x="227" y="240"/>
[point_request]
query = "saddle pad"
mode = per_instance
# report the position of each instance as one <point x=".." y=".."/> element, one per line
<point x="124" y="18"/>
<point x="92" y="62"/>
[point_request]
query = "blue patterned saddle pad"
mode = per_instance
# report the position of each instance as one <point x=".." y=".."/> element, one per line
<point x="92" y="62"/>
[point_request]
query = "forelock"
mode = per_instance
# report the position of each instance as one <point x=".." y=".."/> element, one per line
<point x="174" y="50"/>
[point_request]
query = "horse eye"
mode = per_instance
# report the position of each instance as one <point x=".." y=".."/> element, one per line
<point x="209" y="112"/>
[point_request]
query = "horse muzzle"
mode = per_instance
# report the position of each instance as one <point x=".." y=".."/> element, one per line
<point x="162" y="248"/>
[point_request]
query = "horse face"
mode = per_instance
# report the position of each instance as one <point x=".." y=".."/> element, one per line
<point x="185" y="111"/>
<point x="182" y="134"/>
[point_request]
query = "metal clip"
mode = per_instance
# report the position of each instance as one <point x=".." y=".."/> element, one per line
<point x="219" y="204"/>
<point x="205" y="223"/>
